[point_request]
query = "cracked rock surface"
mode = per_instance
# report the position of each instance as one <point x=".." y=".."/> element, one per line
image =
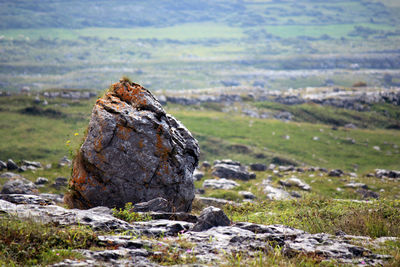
<point x="137" y="244"/>
<point x="133" y="152"/>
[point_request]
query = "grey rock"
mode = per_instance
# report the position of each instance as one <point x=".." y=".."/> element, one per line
<point x="356" y="185"/>
<point x="3" y="165"/>
<point x="19" y="186"/>
<point x="200" y="191"/>
<point x="275" y="193"/>
<point x="220" y="184"/>
<point x="64" y="162"/>
<point x="33" y="164"/>
<point x="294" y="181"/>
<point x="335" y="173"/>
<point x="211" y="201"/>
<point x="9" y="175"/>
<point x="247" y="195"/>
<point x="284" y="116"/>
<point x="295" y="194"/>
<point x="172" y="216"/>
<point x="11" y="165"/>
<point x="197" y="175"/>
<point x="232" y="170"/>
<point x="227" y="161"/>
<point x="366" y="194"/>
<point x="56" y="214"/>
<point x="381" y="173"/>
<point x="60" y="182"/>
<point x="56" y="198"/>
<point x="211" y="217"/>
<point x="159" y="228"/>
<point x="26" y="199"/>
<point x="41" y="180"/>
<point x="350" y="126"/>
<point x="286" y="168"/>
<point x="258" y="167"/>
<point x="133" y="152"/>
<point x="157" y="204"/>
<point x="206" y="165"/>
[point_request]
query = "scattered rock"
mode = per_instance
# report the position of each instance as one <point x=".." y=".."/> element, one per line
<point x="356" y="185"/>
<point x="275" y="193"/>
<point x="157" y="204"/>
<point x="19" y="186"/>
<point x="220" y="184"/>
<point x="381" y="173"/>
<point x="211" y="217"/>
<point x="197" y="175"/>
<point x="34" y="164"/>
<point x="295" y="194"/>
<point x="26" y="199"/>
<point x="258" y="167"/>
<point x="133" y="152"/>
<point x="64" y="162"/>
<point x="211" y="201"/>
<point x="206" y="165"/>
<point x="295" y="182"/>
<point x="286" y="168"/>
<point x="232" y="170"/>
<point x="41" y="180"/>
<point x="60" y="182"/>
<point x="335" y="173"/>
<point x="366" y="194"/>
<point x="3" y="165"/>
<point x="247" y="195"/>
<point x="11" y="165"/>
<point x="9" y="175"/>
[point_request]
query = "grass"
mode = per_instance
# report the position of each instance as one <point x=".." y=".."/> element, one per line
<point x="27" y="243"/>
<point x="322" y="215"/>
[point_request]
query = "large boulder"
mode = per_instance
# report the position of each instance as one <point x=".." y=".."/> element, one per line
<point x="133" y="152"/>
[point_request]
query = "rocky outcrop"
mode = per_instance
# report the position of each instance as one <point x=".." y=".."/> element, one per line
<point x="133" y="152"/>
<point x="19" y="186"/>
<point x="232" y="170"/>
<point x="215" y="238"/>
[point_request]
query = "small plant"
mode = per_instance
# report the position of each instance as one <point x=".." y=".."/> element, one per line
<point x="128" y="215"/>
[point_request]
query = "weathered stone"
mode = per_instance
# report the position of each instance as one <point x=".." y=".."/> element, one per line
<point x="206" y="165"/>
<point x="26" y="199"/>
<point x="11" y="165"/>
<point x="134" y="152"/>
<point x="159" y="228"/>
<point x="247" y="195"/>
<point x="172" y="216"/>
<point x="60" y="182"/>
<point x="335" y="173"/>
<point x="57" y="198"/>
<point x="3" y="165"/>
<point x="275" y="193"/>
<point x="197" y="175"/>
<point x="365" y="193"/>
<point x="286" y="168"/>
<point x="9" y="175"/>
<point x="211" y="217"/>
<point x="19" y="186"/>
<point x="356" y="185"/>
<point x="293" y="181"/>
<point x="220" y="184"/>
<point x="211" y="201"/>
<point x="381" y="173"/>
<point x="64" y="162"/>
<point x="157" y="204"/>
<point x="61" y="216"/>
<point x="34" y="164"/>
<point x="231" y="170"/>
<point x="258" y="167"/>
<point x="41" y="180"/>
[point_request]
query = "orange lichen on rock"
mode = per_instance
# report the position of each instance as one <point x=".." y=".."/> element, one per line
<point x="162" y="151"/>
<point x="132" y="93"/>
<point x="123" y="132"/>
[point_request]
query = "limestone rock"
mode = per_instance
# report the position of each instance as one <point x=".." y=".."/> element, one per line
<point x="211" y="217"/>
<point x="157" y="204"/>
<point x="11" y="165"/>
<point x="231" y="170"/>
<point x="19" y="186"/>
<point x="133" y="152"/>
<point x="222" y="183"/>
<point x="293" y="181"/>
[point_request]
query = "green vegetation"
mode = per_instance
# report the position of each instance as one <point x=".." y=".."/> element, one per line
<point x="27" y="243"/>
<point x="128" y="215"/>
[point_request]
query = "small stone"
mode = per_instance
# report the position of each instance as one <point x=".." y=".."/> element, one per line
<point x="247" y="195"/>
<point x="64" y="162"/>
<point x="3" y="165"/>
<point x="41" y="180"/>
<point x="365" y="193"/>
<point x="335" y="173"/>
<point x="11" y="165"/>
<point x="19" y="186"/>
<point x="294" y="181"/>
<point x="157" y="204"/>
<point x="206" y="165"/>
<point x="258" y="167"/>
<point x="211" y="217"/>
<point x="222" y="183"/>
<point x="197" y="175"/>
<point x="356" y="185"/>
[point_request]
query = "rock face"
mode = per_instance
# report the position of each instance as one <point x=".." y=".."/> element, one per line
<point x="133" y="152"/>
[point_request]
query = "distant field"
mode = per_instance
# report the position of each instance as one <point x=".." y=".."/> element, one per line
<point x="184" y="32"/>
